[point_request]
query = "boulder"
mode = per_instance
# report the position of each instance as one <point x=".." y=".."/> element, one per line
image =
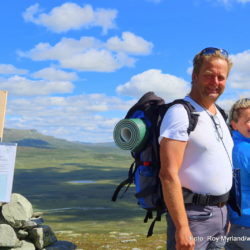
<point x="33" y="222"/>
<point x="8" y="236"/>
<point x="26" y="245"/>
<point x="37" y="214"/>
<point x="42" y="236"/>
<point x="17" y="211"/>
<point x="22" y="234"/>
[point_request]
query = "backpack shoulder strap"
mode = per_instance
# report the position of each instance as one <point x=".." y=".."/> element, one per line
<point x="222" y="111"/>
<point x="191" y="112"/>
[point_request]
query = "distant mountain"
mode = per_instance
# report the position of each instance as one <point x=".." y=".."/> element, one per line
<point x="32" y="138"/>
<point x="36" y="143"/>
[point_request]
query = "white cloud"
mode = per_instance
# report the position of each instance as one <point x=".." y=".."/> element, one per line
<point x="130" y="43"/>
<point x="70" y="16"/>
<point x="243" y="1"/>
<point x="90" y="54"/>
<point x="63" y="49"/>
<point x="167" y="86"/>
<point x="228" y="3"/>
<point x="81" y="117"/>
<point x="240" y="75"/>
<point x="17" y="85"/>
<point x="228" y="102"/>
<point x="70" y="106"/>
<point x="53" y="74"/>
<point x="10" y="69"/>
<point x="105" y="19"/>
<point x="92" y="60"/>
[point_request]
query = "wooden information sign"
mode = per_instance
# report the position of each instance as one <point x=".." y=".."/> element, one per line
<point x="3" y="101"/>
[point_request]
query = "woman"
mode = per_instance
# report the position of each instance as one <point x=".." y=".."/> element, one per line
<point x="239" y="235"/>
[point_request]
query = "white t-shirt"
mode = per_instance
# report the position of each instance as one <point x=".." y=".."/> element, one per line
<point x="206" y="167"/>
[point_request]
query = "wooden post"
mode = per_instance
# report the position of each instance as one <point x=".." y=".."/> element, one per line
<point x="3" y="101"/>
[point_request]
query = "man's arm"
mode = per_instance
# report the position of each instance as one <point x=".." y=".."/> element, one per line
<point x="171" y="154"/>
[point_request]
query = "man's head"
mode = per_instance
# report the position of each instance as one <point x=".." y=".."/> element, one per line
<point x="239" y="116"/>
<point x="207" y="54"/>
<point x="210" y="72"/>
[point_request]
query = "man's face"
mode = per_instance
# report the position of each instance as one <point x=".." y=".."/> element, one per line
<point x="243" y="123"/>
<point x="210" y="82"/>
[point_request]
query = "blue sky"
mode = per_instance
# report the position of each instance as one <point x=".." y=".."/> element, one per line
<point x="73" y="68"/>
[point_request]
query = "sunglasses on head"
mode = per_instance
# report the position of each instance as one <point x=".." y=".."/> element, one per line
<point x="211" y="51"/>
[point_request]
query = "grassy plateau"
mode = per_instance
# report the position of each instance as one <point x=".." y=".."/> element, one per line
<point x="72" y="184"/>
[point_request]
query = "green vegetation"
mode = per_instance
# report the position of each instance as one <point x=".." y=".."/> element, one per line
<point x="43" y="174"/>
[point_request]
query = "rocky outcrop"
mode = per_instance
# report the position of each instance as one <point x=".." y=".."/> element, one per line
<point x="22" y="229"/>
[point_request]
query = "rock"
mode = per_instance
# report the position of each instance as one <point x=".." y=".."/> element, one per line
<point x="26" y="245"/>
<point x="74" y="235"/>
<point x="22" y="234"/>
<point x="160" y="247"/>
<point x="29" y="224"/>
<point x="113" y="232"/>
<point x="21" y="229"/>
<point x="37" y="214"/>
<point x="8" y="236"/>
<point x="61" y="245"/>
<point x="124" y="234"/>
<point x="42" y="236"/>
<point x="106" y="246"/>
<point x="33" y="222"/>
<point x="64" y="232"/>
<point x="17" y="211"/>
<point x="128" y="241"/>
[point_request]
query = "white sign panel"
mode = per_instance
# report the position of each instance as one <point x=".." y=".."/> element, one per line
<point x="7" y="166"/>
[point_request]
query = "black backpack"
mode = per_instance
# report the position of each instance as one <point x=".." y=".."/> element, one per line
<point x="144" y="171"/>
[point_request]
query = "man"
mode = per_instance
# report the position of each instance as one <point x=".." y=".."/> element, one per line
<point x="198" y="165"/>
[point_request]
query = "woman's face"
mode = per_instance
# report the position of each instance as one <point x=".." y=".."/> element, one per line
<point x="243" y="123"/>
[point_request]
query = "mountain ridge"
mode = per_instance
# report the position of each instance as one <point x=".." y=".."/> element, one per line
<point x="33" y="138"/>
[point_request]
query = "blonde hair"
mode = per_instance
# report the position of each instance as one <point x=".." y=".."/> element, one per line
<point x="235" y="111"/>
<point x="200" y="58"/>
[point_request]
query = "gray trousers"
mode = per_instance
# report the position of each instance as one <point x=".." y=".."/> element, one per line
<point x="208" y="225"/>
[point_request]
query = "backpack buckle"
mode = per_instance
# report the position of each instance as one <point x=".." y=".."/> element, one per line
<point x="201" y="199"/>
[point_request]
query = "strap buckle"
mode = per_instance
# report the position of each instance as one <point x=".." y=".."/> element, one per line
<point x="221" y="204"/>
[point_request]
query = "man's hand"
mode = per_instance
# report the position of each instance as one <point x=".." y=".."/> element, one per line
<point x="184" y="239"/>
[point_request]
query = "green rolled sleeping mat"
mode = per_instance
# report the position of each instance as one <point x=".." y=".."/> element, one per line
<point x="130" y="134"/>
